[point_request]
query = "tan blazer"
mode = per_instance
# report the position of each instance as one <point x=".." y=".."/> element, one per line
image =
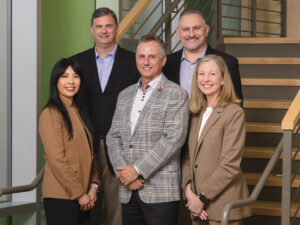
<point x="213" y="163"/>
<point x="68" y="163"/>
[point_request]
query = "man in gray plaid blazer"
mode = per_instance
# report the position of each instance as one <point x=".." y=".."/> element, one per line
<point x="148" y="130"/>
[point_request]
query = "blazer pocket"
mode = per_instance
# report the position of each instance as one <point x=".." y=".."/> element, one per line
<point x="76" y="170"/>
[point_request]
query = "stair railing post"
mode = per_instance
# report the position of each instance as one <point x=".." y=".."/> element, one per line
<point x="283" y="18"/>
<point x="286" y="177"/>
<point x="168" y="28"/>
<point x="219" y="20"/>
<point x="253" y="18"/>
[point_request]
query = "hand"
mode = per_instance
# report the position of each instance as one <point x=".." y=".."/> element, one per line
<point x="194" y="204"/>
<point x="84" y="202"/>
<point x="127" y="175"/>
<point x="136" y="185"/>
<point x="92" y="195"/>
<point x="203" y="215"/>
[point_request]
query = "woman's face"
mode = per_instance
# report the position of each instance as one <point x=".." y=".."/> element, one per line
<point x="210" y="80"/>
<point x="68" y="83"/>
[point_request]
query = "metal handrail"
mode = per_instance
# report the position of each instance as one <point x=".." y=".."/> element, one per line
<point x="260" y="184"/>
<point x="24" y="188"/>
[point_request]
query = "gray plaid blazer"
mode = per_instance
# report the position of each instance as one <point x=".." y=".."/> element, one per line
<point x="156" y="142"/>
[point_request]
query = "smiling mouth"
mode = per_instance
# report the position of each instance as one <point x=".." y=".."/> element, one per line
<point x="192" y="39"/>
<point x="70" y="88"/>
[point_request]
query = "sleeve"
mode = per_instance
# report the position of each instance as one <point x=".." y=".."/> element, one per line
<point x="186" y="169"/>
<point x="51" y="131"/>
<point x="231" y="156"/>
<point x="175" y="129"/>
<point x="113" y="139"/>
<point x="95" y="171"/>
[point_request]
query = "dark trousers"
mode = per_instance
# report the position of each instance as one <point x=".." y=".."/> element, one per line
<point x="136" y="212"/>
<point x="65" y="212"/>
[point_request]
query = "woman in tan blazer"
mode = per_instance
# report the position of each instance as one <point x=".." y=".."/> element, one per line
<point x="71" y="176"/>
<point x="212" y="176"/>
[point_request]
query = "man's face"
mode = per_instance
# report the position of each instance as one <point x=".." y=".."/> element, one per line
<point x="148" y="60"/>
<point x="104" y="30"/>
<point x="192" y="32"/>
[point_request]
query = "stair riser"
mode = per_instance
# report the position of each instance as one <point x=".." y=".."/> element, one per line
<point x="270" y="71"/>
<point x="264" y="115"/>
<point x="269" y="92"/>
<point x="258" y="166"/>
<point x="263" y="139"/>
<point x="266" y="50"/>
<point x="273" y="193"/>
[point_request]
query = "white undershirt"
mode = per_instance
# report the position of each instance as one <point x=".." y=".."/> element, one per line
<point x="205" y="117"/>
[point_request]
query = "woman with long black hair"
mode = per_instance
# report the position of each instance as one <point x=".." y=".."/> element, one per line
<point x="71" y="175"/>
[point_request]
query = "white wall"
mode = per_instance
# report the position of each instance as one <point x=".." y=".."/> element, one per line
<point x="24" y="95"/>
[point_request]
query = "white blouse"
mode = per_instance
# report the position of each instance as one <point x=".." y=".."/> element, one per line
<point x="205" y="117"/>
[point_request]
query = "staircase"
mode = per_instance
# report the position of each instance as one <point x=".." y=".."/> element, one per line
<point x="270" y="73"/>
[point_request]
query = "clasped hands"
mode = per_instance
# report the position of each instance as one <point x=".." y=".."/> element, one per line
<point x="130" y="178"/>
<point x="87" y="200"/>
<point x="194" y="204"/>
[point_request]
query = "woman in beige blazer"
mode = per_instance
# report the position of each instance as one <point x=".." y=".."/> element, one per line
<point x="212" y="176"/>
<point x="71" y="176"/>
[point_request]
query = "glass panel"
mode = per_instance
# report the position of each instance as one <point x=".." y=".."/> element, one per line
<point x="5" y="100"/>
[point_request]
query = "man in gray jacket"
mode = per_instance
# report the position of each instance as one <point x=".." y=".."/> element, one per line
<point x="148" y="130"/>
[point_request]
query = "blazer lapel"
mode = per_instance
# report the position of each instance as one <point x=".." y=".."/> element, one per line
<point x="94" y="71"/>
<point x="215" y="115"/>
<point x="115" y="70"/>
<point x="152" y="100"/>
<point x="128" y="113"/>
<point x="195" y="131"/>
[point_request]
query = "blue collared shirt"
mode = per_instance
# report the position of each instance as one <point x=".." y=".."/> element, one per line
<point x="187" y="70"/>
<point x="104" y="66"/>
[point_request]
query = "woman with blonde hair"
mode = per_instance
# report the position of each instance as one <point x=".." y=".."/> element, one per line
<point x="211" y="171"/>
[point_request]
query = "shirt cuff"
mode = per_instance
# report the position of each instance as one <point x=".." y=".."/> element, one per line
<point x="137" y="170"/>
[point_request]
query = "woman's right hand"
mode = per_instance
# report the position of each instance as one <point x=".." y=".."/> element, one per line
<point x="84" y="202"/>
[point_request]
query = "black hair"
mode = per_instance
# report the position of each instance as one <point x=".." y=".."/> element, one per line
<point x="55" y="101"/>
<point x="103" y="12"/>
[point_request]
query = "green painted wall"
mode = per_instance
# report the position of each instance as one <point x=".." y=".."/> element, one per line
<point x="4" y="221"/>
<point x="65" y="31"/>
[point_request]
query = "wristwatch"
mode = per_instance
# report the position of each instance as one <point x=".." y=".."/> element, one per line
<point x="203" y="199"/>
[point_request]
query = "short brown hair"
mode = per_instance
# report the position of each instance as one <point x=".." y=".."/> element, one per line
<point x="226" y="96"/>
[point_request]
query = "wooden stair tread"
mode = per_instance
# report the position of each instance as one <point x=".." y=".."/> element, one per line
<point x="260" y="40"/>
<point x="263" y="127"/>
<point x="268" y="208"/>
<point x="266" y="104"/>
<point x="268" y="60"/>
<point x="264" y="153"/>
<point x="270" y="82"/>
<point x="273" y="181"/>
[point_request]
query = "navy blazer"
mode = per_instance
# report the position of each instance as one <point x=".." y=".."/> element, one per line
<point x="102" y="104"/>
<point x="172" y="68"/>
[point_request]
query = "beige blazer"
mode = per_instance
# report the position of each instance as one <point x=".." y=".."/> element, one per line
<point x="68" y="163"/>
<point x="213" y="163"/>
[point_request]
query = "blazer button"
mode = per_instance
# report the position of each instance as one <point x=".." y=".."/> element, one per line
<point x="196" y="166"/>
<point x="130" y="146"/>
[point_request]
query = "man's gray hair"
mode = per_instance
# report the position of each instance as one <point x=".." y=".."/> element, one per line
<point x="148" y="38"/>
<point x="191" y="11"/>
